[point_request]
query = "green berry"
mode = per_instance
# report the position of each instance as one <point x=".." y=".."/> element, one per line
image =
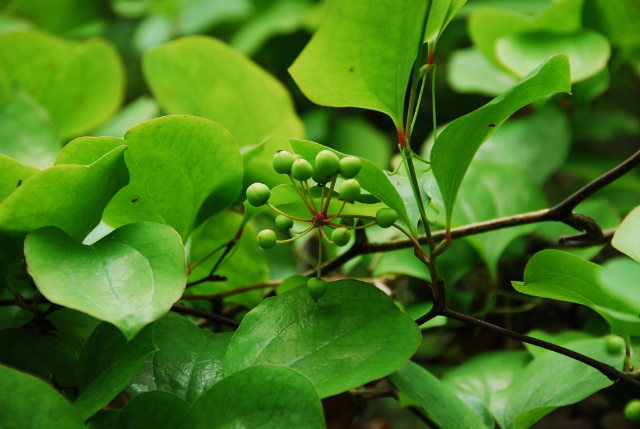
<point x="316" y="287"/>
<point x="267" y="238"/>
<point x="327" y="163"/>
<point x="282" y="162"/>
<point x="615" y="345"/>
<point x="340" y="236"/>
<point x="283" y="223"/>
<point x="349" y="190"/>
<point x="350" y="166"/>
<point x="301" y="170"/>
<point x="386" y="217"/>
<point x="347" y="221"/>
<point x="258" y="194"/>
<point x="632" y="411"/>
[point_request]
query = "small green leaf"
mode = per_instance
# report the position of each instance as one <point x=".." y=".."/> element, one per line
<point x="258" y="397"/>
<point x="627" y="237"/>
<point x="456" y="146"/>
<point x="364" y="52"/>
<point x="129" y="278"/>
<point x="352" y="335"/>
<point x="188" y="361"/>
<point x="441" y="405"/>
<point x="107" y="364"/>
<point x="170" y="160"/>
<point x="84" y="84"/>
<point x="20" y="392"/>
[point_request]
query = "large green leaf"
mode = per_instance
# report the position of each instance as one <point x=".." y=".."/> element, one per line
<point x="12" y="174"/>
<point x="204" y="77"/>
<point x="492" y="191"/>
<point x="188" y="361"/>
<point x="79" y="84"/>
<point x="456" y="146"/>
<point x="627" y="237"/>
<point x="171" y="161"/>
<point x="620" y="277"/>
<point x="362" y="55"/>
<point x="553" y="380"/>
<point x="106" y="365"/>
<point x="129" y="278"/>
<point x="444" y="408"/>
<point x="264" y="396"/>
<point x="560" y="275"/>
<point x="353" y="334"/>
<point x="29" y="403"/>
<point x="70" y="197"/>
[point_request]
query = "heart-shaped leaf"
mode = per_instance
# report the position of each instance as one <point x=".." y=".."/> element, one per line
<point x="84" y="82"/>
<point x="281" y="398"/>
<point x="364" y="52"/>
<point x="353" y="334"/>
<point x="129" y="278"/>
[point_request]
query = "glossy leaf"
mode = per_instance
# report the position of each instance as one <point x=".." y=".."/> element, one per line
<point x="200" y="76"/>
<point x="107" y="364"/>
<point x="588" y="52"/>
<point x="18" y="394"/>
<point x="188" y="361"/>
<point x="560" y="275"/>
<point x="352" y="335"/>
<point x="442" y="407"/>
<point x="12" y="174"/>
<point x="157" y="409"/>
<point x="364" y="52"/>
<point x="554" y="380"/>
<point x="70" y="197"/>
<point x="129" y="278"/>
<point x="456" y="146"/>
<point x="84" y="84"/>
<point x="170" y="160"/>
<point x="282" y="398"/>
<point x="627" y="237"/>
<point x="492" y="191"/>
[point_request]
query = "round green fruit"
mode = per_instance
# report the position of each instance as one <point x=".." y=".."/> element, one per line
<point x="386" y="217"/>
<point x="266" y="239"/>
<point x="283" y="223"/>
<point x="258" y="194"/>
<point x="349" y="190"/>
<point x="327" y="163"/>
<point x="283" y="161"/>
<point x="615" y="345"/>
<point x="632" y="411"/>
<point x="316" y="287"/>
<point x="350" y="166"/>
<point x="301" y="170"/>
<point x="340" y="236"/>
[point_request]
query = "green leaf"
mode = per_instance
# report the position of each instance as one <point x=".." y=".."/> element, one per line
<point x="553" y="380"/>
<point x="161" y="410"/>
<point x="28" y="135"/>
<point x="588" y="52"/>
<point x="371" y="178"/>
<point x="12" y="174"/>
<point x="353" y="334"/>
<point x="281" y="398"/>
<point x="492" y="191"/>
<point x="129" y="278"/>
<point x="70" y="197"/>
<point x="441" y="405"/>
<point x="627" y="237"/>
<point x="188" y="361"/>
<point x="139" y="110"/>
<point x="619" y="277"/>
<point x="486" y="79"/>
<point x="170" y="160"/>
<point x="73" y="327"/>
<point x="84" y="82"/>
<point x="362" y="55"/>
<point x="560" y="275"/>
<point x="616" y="20"/>
<point x="107" y="364"/>
<point x="20" y="392"/>
<point x="199" y="76"/>
<point x="77" y="14"/>
<point x="456" y="146"/>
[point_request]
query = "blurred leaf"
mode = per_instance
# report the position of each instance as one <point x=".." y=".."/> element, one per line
<point x="282" y="398"/>
<point x="563" y="338"/>
<point x="620" y="276"/>
<point x="618" y="21"/>
<point x="59" y="16"/>
<point x="486" y="79"/>
<point x="357" y="137"/>
<point x="627" y="237"/>
<point x="456" y="146"/>
<point x="364" y="52"/>
<point x="353" y="334"/>
<point x="441" y="405"/>
<point x="139" y="110"/>
<point x="600" y="125"/>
